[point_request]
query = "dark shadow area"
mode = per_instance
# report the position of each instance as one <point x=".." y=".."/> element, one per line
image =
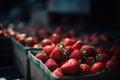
<point x="6" y="52"/>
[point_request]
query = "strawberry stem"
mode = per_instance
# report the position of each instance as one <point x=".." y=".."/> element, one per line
<point x="63" y="51"/>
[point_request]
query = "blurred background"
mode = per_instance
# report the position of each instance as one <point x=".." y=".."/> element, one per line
<point x="82" y="15"/>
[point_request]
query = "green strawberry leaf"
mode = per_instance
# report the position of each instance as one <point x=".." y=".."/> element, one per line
<point x="63" y="51"/>
<point x="81" y="69"/>
<point x="84" y="53"/>
<point x="80" y="61"/>
<point x="98" y="56"/>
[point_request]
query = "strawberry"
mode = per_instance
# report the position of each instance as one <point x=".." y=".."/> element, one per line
<point x="59" y="30"/>
<point x="46" y="41"/>
<point x="85" y="69"/>
<point x="105" y="37"/>
<point x="94" y="35"/>
<point x="116" y="52"/>
<point x="71" y="67"/>
<point x="30" y="41"/>
<point x="2" y="33"/>
<point x="51" y="64"/>
<point x="97" y="67"/>
<point x="58" y="72"/>
<point x="86" y="38"/>
<point x="73" y="34"/>
<point x="102" y="57"/>
<point x="21" y="40"/>
<point x="36" y="46"/>
<point x="41" y="56"/>
<point x="55" y="38"/>
<point x="77" y="45"/>
<point x="90" y="60"/>
<point x="77" y="54"/>
<point x="69" y="49"/>
<point x="66" y="35"/>
<point x="113" y="63"/>
<point x="68" y="42"/>
<point x="11" y="32"/>
<point x="115" y="47"/>
<point x="57" y="55"/>
<point x="95" y="38"/>
<point x="43" y="32"/>
<point x="102" y="49"/>
<point x="88" y="50"/>
<point x="48" y="49"/>
<point x="23" y="35"/>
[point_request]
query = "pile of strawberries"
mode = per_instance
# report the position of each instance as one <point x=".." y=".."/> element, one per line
<point x="4" y="32"/>
<point x="64" y="55"/>
<point x="41" y="35"/>
<point x="70" y="57"/>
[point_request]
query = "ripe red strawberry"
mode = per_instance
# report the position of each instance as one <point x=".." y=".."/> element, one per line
<point x="41" y="56"/>
<point x="43" y="32"/>
<point x="116" y="52"/>
<point x="71" y="67"/>
<point x="90" y="60"/>
<point x="20" y="36"/>
<point x="77" y="45"/>
<point x="21" y="40"/>
<point x="77" y="54"/>
<point x="57" y="55"/>
<point x="11" y="32"/>
<point x="2" y="33"/>
<point x="97" y="67"/>
<point x="68" y="42"/>
<point x="94" y="35"/>
<point x="73" y="34"/>
<point x="59" y="30"/>
<point x="105" y="37"/>
<point x="58" y="72"/>
<point x="55" y="38"/>
<point x="48" y="49"/>
<point x="115" y="47"/>
<point x="95" y="38"/>
<point x="102" y="57"/>
<point x="30" y="41"/>
<point x="113" y="63"/>
<point x="51" y="64"/>
<point x="88" y="50"/>
<point x="36" y="46"/>
<point x="101" y="49"/>
<point x="66" y="35"/>
<point x="86" y="38"/>
<point x="45" y="42"/>
<point x="69" y="50"/>
<point x="85" y="69"/>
